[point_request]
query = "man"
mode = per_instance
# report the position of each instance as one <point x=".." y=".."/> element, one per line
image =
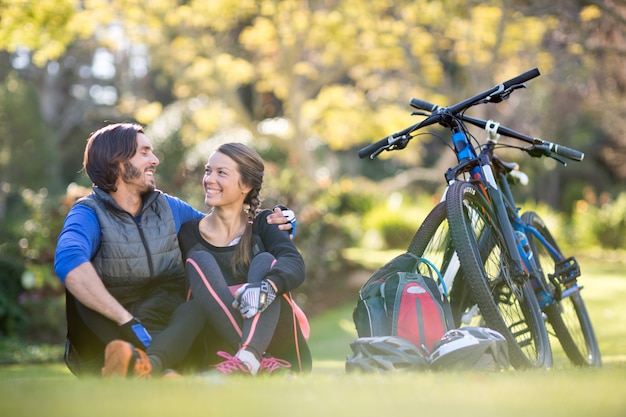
<point x="119" y="259"/>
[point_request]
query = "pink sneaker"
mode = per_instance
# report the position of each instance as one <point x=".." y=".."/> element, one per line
<point x="269" y="365"/>
<point x="231" y="365"/>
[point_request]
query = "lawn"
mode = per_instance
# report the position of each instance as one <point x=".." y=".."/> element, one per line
<point x="49" y="390"/>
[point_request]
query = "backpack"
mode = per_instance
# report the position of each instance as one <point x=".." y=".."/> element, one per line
<point x="399" y="301"/>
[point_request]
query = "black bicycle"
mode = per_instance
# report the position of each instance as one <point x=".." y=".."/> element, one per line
<point x="512" y="268"/>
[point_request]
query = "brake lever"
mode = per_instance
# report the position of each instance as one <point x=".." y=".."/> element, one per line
<point x="401" y="142"/>
<point x="378" y="152"/>
<point x="504" y="94"/>
<point x="539" y="150"/>
<point x="561" y="160"/>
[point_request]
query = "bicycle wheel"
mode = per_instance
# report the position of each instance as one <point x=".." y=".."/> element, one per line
<point x="432" y="242"/>
<point x="568" y="316"/>
<point x="507" y="305"/>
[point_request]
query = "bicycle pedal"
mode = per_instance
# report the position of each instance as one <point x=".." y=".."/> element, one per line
<point x="567" y="271"/>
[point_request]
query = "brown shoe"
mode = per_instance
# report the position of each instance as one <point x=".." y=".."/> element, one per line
<point x="171" y="374"/>
<point x="121" y="357"/>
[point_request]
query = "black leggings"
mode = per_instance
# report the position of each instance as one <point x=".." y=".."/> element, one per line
<point x="89" y="332"/>
<point x="275" y="331"/>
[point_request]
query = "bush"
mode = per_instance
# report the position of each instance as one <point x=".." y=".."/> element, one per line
<point x="602" y="224"/>
<point x="557" y="222"/>
<point x="12" y="315"/>
<point x="328" y="224"/>
<point x="18" y="351"/>
<point x="34" y="314"/>
<point x="392" y="224"/>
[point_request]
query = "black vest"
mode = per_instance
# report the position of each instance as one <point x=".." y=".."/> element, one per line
<point x="136" y="259"/>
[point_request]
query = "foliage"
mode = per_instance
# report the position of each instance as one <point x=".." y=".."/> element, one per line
<point x="602" y="224"/>
<point x="44" y="316"/>
<point x="23" y="145"/>
<point x="14" y="350"/>
<point x="328" y="224"/>
<point x="392" y="223"/>
<point x="52" y="25"/>
<point x="12" y="315"/>
<point x="31" y="302"/>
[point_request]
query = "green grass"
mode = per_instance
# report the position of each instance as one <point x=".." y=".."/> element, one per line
<point x="49" y="390"/>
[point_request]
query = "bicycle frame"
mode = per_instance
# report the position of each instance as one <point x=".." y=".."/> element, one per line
<point x="481" y="173"/>
<point x="499" y="193"/>
<point x="544" y="296"/>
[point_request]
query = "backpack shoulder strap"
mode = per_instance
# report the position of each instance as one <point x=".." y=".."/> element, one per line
<point x="405" y="262"/>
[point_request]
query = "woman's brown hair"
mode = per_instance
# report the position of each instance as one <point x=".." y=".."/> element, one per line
<point x="251" y="168"/>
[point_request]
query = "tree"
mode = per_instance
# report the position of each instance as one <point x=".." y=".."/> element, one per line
<point x="336" y="73"/>
<point x="308" y="82"/>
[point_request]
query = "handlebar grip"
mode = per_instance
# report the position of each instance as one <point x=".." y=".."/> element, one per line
<point x="566" y="152"/>
<point x="522" y="78"/>
<point x="370" y="149"/>
<point x="423" y="105"/>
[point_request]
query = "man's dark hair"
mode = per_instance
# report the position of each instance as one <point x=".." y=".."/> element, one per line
<point x="106" y="149"/>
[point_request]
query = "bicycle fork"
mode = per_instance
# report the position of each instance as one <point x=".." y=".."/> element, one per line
<point x="520" y="272"/>
<point x="564" y="279"/>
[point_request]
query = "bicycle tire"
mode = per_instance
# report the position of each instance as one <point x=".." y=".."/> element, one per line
<point x="507" y="305"/>
<point x="432" y="241"/>
<point x="568" y="317"/>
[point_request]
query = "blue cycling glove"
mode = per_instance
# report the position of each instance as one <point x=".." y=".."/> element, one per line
<point x="134" y="332"/>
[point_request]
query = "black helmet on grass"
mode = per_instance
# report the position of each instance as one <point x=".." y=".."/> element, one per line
<point x="384" y="354"/>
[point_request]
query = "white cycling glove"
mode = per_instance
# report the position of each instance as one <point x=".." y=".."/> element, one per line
<point x="254" y="298"/>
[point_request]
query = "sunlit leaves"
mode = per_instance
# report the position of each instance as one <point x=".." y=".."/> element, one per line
<point x="342" y="71"/>
<point x="148" y="113"/>
<point x="590" y="13"/>
<point x="261" y="37"/>
<point x="336" y="115"/>
<point x="45" y="26"/>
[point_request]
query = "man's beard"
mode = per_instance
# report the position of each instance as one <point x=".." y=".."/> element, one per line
<point x="131" y="172"/>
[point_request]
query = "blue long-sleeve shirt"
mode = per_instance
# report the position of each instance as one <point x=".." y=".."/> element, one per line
<point x="80" y="238"/>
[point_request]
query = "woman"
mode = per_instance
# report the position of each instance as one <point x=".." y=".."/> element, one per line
<point x="243" y="269"/>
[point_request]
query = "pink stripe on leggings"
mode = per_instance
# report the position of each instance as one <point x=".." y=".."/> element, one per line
<point x="214" y="295"/>
<point x="246" y="342"/>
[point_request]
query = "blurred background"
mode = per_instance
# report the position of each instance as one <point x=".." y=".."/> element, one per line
<point x="307" y="84"/>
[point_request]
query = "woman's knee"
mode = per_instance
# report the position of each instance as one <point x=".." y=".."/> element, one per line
<point x="202" y="259"/>
<point x="259" y="265"/>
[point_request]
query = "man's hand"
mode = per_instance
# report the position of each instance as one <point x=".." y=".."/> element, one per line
<point x="134" y="332"/>
<point x="254" y="298"/>
<point x="284" y="218"/>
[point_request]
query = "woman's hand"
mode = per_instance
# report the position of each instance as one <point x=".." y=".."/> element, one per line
<point x="254" y="298"/>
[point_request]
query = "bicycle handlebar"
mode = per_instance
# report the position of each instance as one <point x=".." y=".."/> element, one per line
<point x="494" y="94"/>
<point x="497" y="93"/>
<point x="490" y="94"/>
<point x="539" y="147"/>
<point x="547" y="148"/>
<point x="370" y="150"/>
<point x="398" y="140"/>
<point x="424" y="105"/>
